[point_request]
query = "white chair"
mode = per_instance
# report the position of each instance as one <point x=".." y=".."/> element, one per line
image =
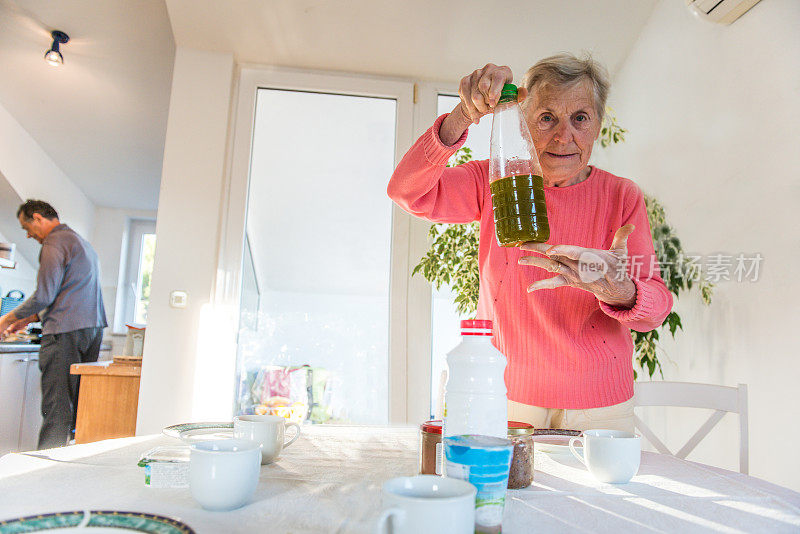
<point x="722" y="399"/>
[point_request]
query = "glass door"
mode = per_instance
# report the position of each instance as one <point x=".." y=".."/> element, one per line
<point x="313" y="341"/>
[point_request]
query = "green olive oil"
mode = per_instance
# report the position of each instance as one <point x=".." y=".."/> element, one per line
<point x="520" y="213"/>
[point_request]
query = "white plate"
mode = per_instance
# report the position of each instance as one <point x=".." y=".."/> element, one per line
<point x="554" y="443"/>
<point x="194" y="432"/>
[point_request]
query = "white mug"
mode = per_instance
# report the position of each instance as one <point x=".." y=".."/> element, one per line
<point x="268" y="431"/>
<point x="427" y="503"/>
<point x="610" y="455"/>
<point x="223" y="474"/>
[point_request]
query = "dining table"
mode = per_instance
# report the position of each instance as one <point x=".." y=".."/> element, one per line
<point x="330" y="480"/>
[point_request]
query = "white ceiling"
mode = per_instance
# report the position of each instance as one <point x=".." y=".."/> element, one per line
<point x="421" y="39"/>
<point x="102" y="116"/>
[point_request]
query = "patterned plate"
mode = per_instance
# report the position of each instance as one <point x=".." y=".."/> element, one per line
<point x="100" y="521"/>
<point x="193" y="432"/>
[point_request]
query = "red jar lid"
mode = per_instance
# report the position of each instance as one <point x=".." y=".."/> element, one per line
<point x="432" y="427"/>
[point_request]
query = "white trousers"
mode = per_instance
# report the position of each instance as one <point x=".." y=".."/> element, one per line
<point x="616" y="417"/>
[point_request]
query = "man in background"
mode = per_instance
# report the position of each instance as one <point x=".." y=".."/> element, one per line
<point x="69" y="303"/>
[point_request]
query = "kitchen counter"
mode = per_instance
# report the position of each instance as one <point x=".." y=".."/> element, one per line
<point x="15" y="348"/>
<point x="107" y="367"/>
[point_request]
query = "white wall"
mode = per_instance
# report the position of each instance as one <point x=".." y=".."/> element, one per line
<point x="713" y="114"/>
<point x="186" y="251"/>
<point x="32" y="174"/>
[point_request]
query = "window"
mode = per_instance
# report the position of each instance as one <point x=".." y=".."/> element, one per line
<point x="134" y="291"/>
<point x="147" y="252"/>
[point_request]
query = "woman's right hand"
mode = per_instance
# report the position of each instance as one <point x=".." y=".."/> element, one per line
<point x="480" y="90"/>
<point x="479" y="93"/>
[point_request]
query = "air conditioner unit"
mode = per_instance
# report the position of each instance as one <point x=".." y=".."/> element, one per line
<point x="720" y="11"/>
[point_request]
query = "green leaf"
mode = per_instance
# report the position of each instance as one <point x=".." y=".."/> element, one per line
<point x="673" y="321"/>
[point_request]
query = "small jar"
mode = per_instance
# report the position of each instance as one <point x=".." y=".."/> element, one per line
<point x="521" y="473"/>
<point x="430" y="448"/>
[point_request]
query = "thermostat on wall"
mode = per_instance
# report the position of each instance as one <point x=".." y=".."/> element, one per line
<point x="177" y="299"/>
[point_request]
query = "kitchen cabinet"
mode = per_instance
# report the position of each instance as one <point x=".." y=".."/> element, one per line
<point x="108" y="400"/>
<point x="21" y="395"/>
<point x="20" y="400"/>
<point x="31" y="420"/>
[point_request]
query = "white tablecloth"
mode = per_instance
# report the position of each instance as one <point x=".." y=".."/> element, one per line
<point x="329" y="481"/>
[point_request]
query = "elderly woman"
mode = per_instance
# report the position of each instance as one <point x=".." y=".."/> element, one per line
<point x="565" y="330"/>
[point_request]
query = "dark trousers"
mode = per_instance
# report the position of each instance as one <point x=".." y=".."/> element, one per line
<point x="59" y="388"/>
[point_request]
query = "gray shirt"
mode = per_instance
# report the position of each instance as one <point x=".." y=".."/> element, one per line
<point x="68" y="295"/>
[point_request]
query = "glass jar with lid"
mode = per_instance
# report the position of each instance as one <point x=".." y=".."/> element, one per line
<point x="430" y="448"/>
<point x="521" y="473"/>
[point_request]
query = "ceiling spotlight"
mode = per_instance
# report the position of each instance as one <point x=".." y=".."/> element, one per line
<point x="53" y="56"/>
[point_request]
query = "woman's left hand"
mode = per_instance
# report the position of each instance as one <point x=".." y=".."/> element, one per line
<point x="601" y="272"/>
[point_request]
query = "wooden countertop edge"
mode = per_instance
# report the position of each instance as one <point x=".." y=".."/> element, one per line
<point x="105" y="368"/>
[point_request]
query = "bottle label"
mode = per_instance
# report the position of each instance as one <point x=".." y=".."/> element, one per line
<point x="489" y="504"/>
<point x="439" y="458"/>
<point x="459" y="471"/>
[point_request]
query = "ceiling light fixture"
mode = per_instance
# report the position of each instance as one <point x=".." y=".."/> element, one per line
<point x="53" y="56"/>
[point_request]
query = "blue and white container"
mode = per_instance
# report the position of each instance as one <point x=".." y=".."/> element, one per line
<point x="484" y="461"/>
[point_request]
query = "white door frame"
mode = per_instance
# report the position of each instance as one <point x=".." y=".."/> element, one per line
<point x="409" y="361"/>
<point x="419" y="293"/>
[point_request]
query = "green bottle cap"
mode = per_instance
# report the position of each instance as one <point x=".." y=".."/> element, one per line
<point x="508" y="94"/>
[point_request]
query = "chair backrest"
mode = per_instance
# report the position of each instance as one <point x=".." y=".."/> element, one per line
<point x="721" y="399"/>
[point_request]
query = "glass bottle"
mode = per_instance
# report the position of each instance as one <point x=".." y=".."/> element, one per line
<point x="515" y="176"/>
<point x="521" y="472"/>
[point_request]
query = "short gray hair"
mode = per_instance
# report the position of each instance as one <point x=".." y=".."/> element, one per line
<point x="565" y="70"/>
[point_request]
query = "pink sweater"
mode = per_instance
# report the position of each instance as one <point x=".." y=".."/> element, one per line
<point x="565" y="349"/>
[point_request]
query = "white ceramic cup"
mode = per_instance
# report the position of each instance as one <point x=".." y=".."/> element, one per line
<point x="427" y="503"/>
<point x="269" y="431"/>
<point x="223" y="474"/>
<point x="609" y="455"/>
